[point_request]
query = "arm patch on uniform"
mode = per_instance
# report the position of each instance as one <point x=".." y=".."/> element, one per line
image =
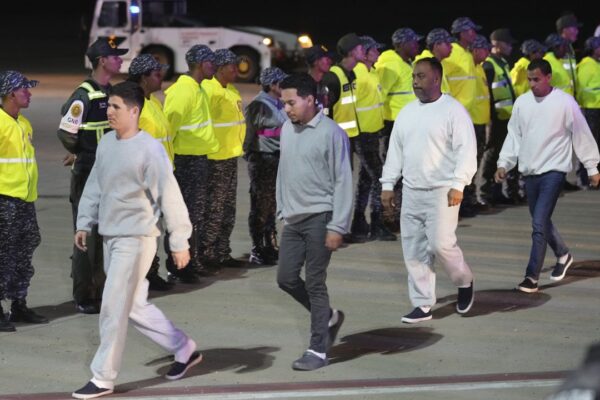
<point x="72" y="120"/>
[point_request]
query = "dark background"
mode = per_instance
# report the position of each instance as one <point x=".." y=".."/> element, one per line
<point x="49" y="36"/>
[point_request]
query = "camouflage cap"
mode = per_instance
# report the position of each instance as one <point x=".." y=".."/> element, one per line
<point x="224" y="57"/>
<point x="503" y="35"/>
<point x="438" y="35"/>
<point x="481" y="42"/>
<point x="531" y="46"/>
<point x="104" y="47"/>
<point x="567" y="21"/>
<point x="316" y="52"/>
<point x="462" y="24"/>
<point x="145" y="63"/>
<point x="271" y="75"/>
<point x="592" y="43"/>
<point x="554" y="40"/>
<point x="198" y="54"/>
<point x="13" y="80"/>
<point x="404" y="35"/>
<point x="369" y="43"/>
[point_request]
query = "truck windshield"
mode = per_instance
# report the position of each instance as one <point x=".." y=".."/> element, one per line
<point x="113" y="14"/>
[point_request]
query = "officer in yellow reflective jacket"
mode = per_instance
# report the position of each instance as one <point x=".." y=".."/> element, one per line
<point x="532" y="50"/>
<point x="19" y="231"/>
<point x="567" y="27"/>
<point x="557" y="49"/>
<point x="148" y="74"/>
<point x="186" y="108"/>
<point x="439" y="45"/>
<point x="227" y="113"/>
<point x="588" y="96"/>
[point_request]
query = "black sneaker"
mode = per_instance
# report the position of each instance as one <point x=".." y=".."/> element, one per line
<point x="309" y="362"/>
<point x="88" y="307"/>
<point x="417" y="315"/>
<point x="560" y="270"/>
<point x="19" y="312"/>
<point x="157" y="283"/>
<point x="178" y="369"/>
<point x="528" y="285"/>
<point x="230" y="262"/>
<point x="90" y="391"/>
<point x="185" y="275"/>
<point x="465" y="299"/>
<point x="335" y="322"/>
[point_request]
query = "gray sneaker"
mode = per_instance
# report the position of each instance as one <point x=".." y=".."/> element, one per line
<point x="309" y="362"/>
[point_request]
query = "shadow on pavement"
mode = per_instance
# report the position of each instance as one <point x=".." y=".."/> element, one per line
<point x="384" y="341"/>
<point x="214" y="360"/>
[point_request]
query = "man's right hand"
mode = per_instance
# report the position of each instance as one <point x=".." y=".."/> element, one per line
<point x="68" y="160"/>
<point x="80" y="240"/>
<point x="500" y="175"/>
<point x="388" y="201"/>
<point x="181" y="258"/>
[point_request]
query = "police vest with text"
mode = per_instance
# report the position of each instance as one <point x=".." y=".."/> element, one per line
<point x="501" y="90"/>
<point x="344" y="110"/>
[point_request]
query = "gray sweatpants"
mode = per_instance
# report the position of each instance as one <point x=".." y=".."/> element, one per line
<point x="428" y="229"/>
<point x="126" y="262"/>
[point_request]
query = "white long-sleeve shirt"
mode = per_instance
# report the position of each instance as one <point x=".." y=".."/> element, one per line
<point x="432" y="145"/>
<point x="544" y="131"/>
<point x="131" y="183"/>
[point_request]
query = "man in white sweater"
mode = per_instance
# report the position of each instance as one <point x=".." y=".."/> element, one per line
<point x="545" y="127"/>
<point x="129" y="187"/>
<point x="433" y="148"/>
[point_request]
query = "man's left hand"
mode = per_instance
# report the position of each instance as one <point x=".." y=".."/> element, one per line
<point x="454" y="197"/>
<point x="333" y="240"/>
<point x="181" y="258"/>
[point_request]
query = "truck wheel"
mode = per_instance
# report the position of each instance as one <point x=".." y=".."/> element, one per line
<point x="163" y="56"/>
<point x="248" y="66"/>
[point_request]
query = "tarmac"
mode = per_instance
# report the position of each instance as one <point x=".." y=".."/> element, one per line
<point x="511" y="345"/>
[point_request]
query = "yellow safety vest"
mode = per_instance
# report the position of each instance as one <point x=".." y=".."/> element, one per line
<point x="369" y="102"/>
<point x="186" y="108"/>
<point x="503" y="97"/>
<point x="569" y="63"/>
<point x="480" y="113"/>
<point x="227" y="113"/>
<point x="395" y="76"/>
<point x="460" y="72"/>
<point x="518" y="76"/>
<point x="428" y="54"/>
<point x="18" y="168"/>
<point x="344" y="110"/>
<point x="588" y="83"/>
<point x="154" y="121"/>
<point x="560" y="76"/>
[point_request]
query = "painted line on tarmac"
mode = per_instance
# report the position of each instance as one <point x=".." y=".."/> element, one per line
<point x="340" y="388"/>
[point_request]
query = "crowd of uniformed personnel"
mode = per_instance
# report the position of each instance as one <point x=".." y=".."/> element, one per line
<point x="205" y="128"/>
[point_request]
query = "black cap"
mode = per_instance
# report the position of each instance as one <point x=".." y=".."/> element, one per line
<point x="312" y="54"/>
<point x="567" y="21"/>
<point x="104" y="47"/>
<point x="503" y="35"/>
<point x="347" y="43"/>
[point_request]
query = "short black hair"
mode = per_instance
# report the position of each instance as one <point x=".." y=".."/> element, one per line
<point x="540" y="64"/>
<point x="304" y="84"/>
<point x="434" y="63"/>
<point x="131" y="93"/>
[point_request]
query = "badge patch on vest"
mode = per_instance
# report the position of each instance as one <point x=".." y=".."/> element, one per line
<point x="71" y="121"/>
<point x="346" y="87"/>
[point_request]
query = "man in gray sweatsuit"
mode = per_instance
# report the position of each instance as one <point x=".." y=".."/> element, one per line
<point x="314" y="198"/>
<point x="130" y="185"/>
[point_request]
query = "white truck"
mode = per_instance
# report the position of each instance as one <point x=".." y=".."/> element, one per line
<point x="163" y="29"/>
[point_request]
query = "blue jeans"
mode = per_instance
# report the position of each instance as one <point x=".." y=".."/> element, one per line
<point x="542" y="194"/>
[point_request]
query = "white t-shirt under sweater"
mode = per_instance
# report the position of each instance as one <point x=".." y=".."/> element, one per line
<point x="432" y="145"/>
<point x="129" y="186"/>
<point x="544" y="131"/>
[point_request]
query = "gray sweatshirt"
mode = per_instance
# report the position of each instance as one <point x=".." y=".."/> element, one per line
<point x="314" y="173"/>
<point x="129" y="186"/>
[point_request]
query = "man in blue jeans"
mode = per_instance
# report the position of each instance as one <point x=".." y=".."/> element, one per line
<point x="545" y="127"/>
<point x="314" y="198"/>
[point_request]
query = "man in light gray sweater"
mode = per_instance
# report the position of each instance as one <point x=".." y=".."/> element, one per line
<point x="314" y="198"/>
<point x="129" y="187"/>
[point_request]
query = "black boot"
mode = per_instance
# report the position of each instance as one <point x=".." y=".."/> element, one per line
<point x="256" y="256"/>
<point x="19" y="312"/>
<point x="359" y="230"/>
<point x="5" y="325"/>
<point x="379" y="231"/>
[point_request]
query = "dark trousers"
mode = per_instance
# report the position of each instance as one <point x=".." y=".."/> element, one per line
<point x="220" y="212"/>
<point x="385" y="143"/>
<point x="472" y="190"/>
<point x="87" y="269"/>
<point x="262" y="170"/>
<point x="191" y="173"/>
<point x="19" y="237"/>
<point x="366" y="146"/>
<point x="303" y="244"/>
<point x="542" y="195"/>
<point x="592" y="116"/>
